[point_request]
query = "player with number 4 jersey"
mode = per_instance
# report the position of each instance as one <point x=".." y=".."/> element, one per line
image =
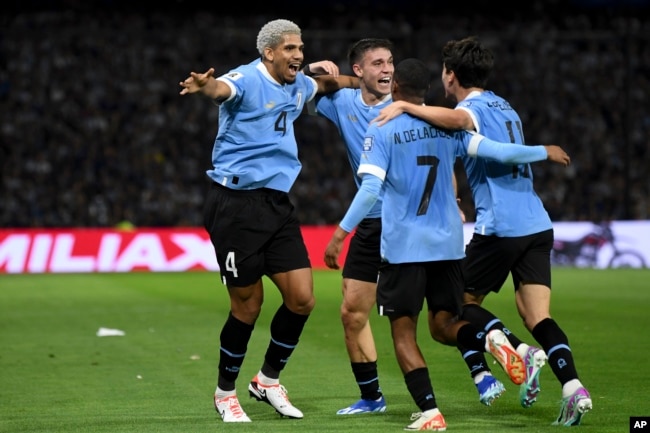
<point x="248" y="214"/>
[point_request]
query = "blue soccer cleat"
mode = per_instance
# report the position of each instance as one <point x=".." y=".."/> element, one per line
<point x="364" y="406"/>
<point x="489" y="389"/>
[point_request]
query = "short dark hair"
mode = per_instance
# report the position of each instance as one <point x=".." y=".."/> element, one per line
<point x="359" y="48"/>
<point x="470" y="60"/>
<point x="413" y="78"/>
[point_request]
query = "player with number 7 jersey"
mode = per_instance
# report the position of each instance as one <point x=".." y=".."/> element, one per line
<point x="412" y="163"/>
<point x="415" y="161"/>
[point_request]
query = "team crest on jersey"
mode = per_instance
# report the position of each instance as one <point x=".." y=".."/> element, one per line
<point x="367" y="144"/>
<point x="269" y="105"/>
<point x="234" y="76"/>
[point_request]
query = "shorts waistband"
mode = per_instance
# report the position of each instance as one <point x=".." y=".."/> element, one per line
<point x="248" y="192"/>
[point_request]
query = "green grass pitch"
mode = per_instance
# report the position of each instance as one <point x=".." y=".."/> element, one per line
<point x="56" y="375"/>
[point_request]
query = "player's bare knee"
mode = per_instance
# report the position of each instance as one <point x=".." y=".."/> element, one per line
<point x="300" y="304"/>
<point x="353" y="320"/>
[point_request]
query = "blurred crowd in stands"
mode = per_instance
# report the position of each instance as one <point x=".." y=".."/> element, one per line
<point x="94" y="132"/>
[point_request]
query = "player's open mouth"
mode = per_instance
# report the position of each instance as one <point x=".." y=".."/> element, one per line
<point x="294" y="67"/>
<point x="385" y="80"/>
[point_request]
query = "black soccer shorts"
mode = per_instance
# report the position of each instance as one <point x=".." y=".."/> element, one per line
<point x="254" y="233"/>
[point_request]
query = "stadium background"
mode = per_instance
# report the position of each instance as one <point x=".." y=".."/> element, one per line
<point x="94" y="133"/>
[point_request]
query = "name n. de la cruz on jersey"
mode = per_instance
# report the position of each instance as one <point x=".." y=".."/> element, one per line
<point x="424" y="132"/>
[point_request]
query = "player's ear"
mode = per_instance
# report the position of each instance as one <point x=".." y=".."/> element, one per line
<point x="451" y="77"/>
<point x="394" y="87"/>
<point x="267" y="54"/>
<point x="357" y="70"/>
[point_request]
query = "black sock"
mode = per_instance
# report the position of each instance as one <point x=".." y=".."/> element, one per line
<point x="286" y="328"/>
<point x="235" y="335"/>
<point x="475" y="361"/>
<point x="419" y="385"/>
<point x="485" y="319"/>
<point x="367" y="378"/>
<point x="556" y="345"/>
<point x="471" y="337"/>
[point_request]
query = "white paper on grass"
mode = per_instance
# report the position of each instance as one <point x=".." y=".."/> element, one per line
<point x="109" y="332"/>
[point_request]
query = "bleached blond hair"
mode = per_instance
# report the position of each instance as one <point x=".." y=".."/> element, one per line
<point x="271" y="33"/>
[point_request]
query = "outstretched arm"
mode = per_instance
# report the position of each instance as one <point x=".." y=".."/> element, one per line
<point x="441" y="117"/>
<point x="510" y="153"/>
<point x="326" y="74"/>
<point x="557" y="154"/>
<point x="329" y="83"/>
<point x="324" y="67"/>
<point x="206" y="84"/>
<point x="361" y="204"/>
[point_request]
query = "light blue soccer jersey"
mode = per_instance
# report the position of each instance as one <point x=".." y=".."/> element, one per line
<point x="420" y="220"/>
<point x="255" y="146"/>
<point x="351" y="115"/>
<point x="415" y="161"/>
<point x="505" y="200"/>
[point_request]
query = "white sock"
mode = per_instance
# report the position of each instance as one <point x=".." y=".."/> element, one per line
<point x="266" y="381"/>
<point x="479" y="377"/>
<point x="220" y="393"/>
<point x="431" y="412"/>
<point x="570" y="387"/>
<point x="522" y="349"/>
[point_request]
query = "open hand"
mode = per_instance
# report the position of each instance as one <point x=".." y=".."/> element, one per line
<point x="324" y="67"/>
<point x="332" y="252"/>
<point x="196" y="81"/>
<point x="393" y="110"/>
<point x="557" y="154"/>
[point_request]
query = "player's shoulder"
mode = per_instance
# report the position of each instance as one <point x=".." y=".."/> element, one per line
<point x="345" y="95"/>
<point x="233" y="76"/>
<point x="487" y="98"/>
<point x="241" y="73"/>
<point x="374" y="128"/>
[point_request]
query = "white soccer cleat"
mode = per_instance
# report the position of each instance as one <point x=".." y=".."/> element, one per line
<point x="430" y="420"/>
<point x="275" y="396"/>
<point x="230" y="409"/>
